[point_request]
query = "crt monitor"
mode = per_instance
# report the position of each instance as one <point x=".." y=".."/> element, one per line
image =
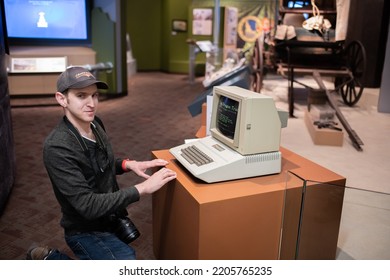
<point x="246" y="121"/>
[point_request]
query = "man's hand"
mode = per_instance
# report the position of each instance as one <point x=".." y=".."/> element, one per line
<point x="140" y="167"/>
<point x="156" y="181"/>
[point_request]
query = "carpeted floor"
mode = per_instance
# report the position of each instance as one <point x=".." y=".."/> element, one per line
<point x="144" y="120"/>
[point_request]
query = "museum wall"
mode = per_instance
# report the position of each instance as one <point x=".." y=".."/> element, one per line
<point x="155" y="45"/>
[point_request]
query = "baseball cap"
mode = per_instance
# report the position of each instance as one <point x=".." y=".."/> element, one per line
<point x="77" y="77"/>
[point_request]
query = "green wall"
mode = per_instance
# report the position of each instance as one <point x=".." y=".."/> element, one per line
<point x="144" y="25"/>
<point x="154" y="45"/>
<point x="175" y="48"/>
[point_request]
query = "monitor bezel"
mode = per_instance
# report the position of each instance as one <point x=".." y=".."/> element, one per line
<point x="258" y="127"/>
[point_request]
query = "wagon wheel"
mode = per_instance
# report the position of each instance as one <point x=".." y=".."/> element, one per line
<point x="257" y="66"/>
<point x="351" y="88"/>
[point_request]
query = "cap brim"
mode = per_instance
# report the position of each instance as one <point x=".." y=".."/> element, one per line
<point x="86" y="83"/>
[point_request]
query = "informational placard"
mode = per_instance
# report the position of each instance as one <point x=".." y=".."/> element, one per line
<point x="38" y="64"/>
<point x="202" y="23"/>
<point x="205" y="46"/>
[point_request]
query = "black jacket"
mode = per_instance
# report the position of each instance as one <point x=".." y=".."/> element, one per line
<point x="88" y="195"/>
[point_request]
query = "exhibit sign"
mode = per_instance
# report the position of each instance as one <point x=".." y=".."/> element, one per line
<point x="38" y="64"/>
<point x="202" y="22"/>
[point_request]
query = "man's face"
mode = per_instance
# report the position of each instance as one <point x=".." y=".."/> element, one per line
<point x="81" y="104"/>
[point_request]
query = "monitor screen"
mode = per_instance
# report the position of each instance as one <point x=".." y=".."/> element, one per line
<point x="58" y="22"/>
<point x="227" y="116"/>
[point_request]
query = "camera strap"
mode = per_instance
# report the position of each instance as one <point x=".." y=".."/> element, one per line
<point x="81" y="141"/>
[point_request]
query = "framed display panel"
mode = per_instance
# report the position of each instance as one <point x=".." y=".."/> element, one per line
<point x="179" y="25"/>
<point x="202" y="21"/>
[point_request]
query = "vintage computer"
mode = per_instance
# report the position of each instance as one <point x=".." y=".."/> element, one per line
<point x="244" y="139"/>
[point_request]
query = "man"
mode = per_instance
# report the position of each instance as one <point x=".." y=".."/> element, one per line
<point x="80" y="163"/>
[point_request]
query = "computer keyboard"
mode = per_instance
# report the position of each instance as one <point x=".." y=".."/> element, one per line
<point x="195" y="156"/>
<point x="212" y="161"/>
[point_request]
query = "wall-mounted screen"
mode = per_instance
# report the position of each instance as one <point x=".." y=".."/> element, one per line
<point x="48" y="22"/>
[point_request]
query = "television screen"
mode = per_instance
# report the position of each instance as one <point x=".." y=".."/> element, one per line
<point x="227" y="116"/>
<point x="61" y="22"/>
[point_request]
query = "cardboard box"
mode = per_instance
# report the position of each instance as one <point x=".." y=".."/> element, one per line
<point x="323" y="136"/>
<point x="322" y="111"/>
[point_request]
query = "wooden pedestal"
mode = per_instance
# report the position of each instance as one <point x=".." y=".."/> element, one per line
<point x="244" y="219"/>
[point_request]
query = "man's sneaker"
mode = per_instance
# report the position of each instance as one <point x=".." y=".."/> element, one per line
<point x="38" y="253"/>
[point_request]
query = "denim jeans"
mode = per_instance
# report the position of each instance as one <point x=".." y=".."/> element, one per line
<point x="95" y="246"/>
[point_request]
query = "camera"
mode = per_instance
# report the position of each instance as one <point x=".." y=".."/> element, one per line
<point x="125" y="229"/>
